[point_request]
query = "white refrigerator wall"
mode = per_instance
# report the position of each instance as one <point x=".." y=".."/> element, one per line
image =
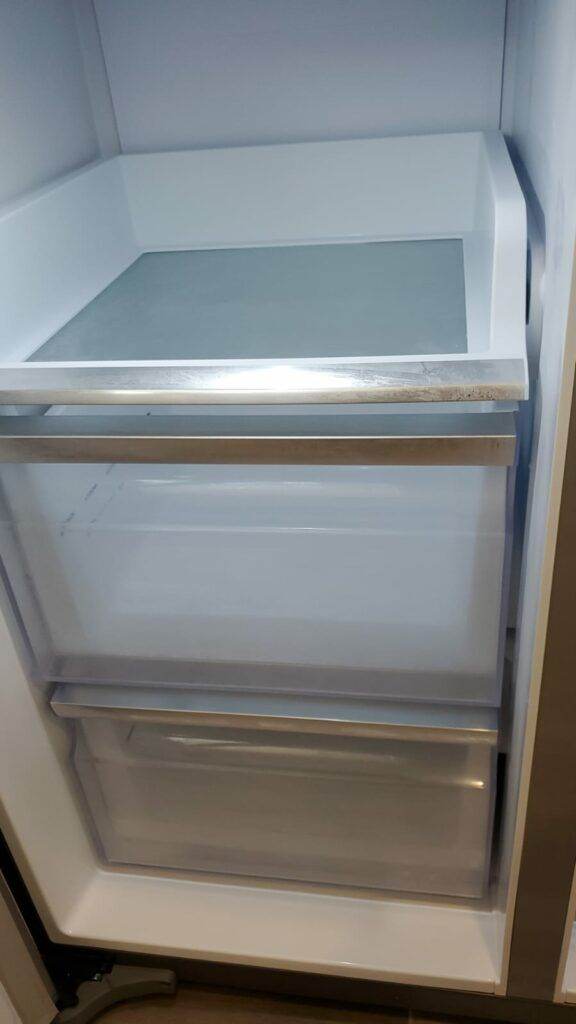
<point x="47" y="117"/>
<point x="191" y="73"/>
<point x="539" y="118"/>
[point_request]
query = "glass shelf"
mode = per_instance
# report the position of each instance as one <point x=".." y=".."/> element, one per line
<point x="363" y="299"/>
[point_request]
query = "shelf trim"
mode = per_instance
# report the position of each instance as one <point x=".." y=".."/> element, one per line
<point x="265" y="382"/>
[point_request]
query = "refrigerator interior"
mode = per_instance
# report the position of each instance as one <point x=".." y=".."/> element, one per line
<point x="271" y="74"/>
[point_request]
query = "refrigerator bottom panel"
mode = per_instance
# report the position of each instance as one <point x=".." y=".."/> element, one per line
<point x="397" y="814"/>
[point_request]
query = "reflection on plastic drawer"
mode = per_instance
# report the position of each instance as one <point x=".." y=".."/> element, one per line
<point x="410" y="815"/>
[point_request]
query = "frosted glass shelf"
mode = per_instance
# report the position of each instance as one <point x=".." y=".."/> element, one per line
<point x="364" y="299"/>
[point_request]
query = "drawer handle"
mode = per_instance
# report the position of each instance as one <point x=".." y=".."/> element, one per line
<point x="279" y="712"/>
<point x="480" y="439"/>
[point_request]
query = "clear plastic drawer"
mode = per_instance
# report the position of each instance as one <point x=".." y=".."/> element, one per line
<point x="365" y="579"/>
<point x="383" y="796"/>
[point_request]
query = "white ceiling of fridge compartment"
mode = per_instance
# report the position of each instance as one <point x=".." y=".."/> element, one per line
<point x="202" y="73"/>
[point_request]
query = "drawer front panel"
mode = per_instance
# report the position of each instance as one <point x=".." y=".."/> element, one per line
<point x="411" y="815"/>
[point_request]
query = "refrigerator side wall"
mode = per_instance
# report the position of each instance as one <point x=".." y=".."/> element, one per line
<point x="538" y="119"/>
<point x="46" y="108"/>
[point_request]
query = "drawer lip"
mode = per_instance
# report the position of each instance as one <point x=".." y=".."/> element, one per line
<point x="346" y="716"/>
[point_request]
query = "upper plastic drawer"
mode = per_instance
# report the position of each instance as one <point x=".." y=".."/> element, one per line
<point x="370" y="271"/>
<point x="358" y="579"/>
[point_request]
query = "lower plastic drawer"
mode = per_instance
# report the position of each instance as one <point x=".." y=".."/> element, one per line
<point x="410" y="814"/>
